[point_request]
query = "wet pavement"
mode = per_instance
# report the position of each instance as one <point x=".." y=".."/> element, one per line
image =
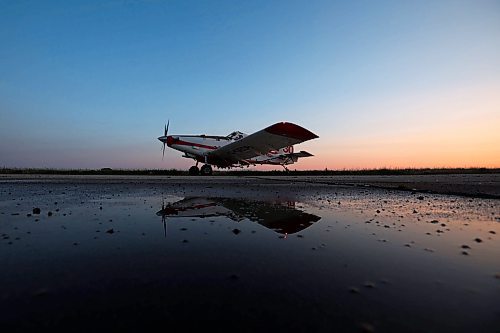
<point x="244" y="254"/>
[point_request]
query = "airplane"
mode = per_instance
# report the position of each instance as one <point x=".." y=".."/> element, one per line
<point x="272" y="145"/>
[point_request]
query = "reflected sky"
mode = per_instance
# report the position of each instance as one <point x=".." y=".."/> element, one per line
<point x="314" y="260"/>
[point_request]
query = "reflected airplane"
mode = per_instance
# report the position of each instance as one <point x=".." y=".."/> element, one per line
<point x="281" y="217"/>
<point x="272" y="145"/>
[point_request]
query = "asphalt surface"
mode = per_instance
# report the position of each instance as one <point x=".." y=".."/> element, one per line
<point x="470" y="185"/>
<point x="266" y="254"/>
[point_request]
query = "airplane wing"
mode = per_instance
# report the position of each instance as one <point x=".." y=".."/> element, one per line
<point x="273" y="137"/>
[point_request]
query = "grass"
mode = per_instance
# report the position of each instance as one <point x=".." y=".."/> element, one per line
<point x="175" y="172"/>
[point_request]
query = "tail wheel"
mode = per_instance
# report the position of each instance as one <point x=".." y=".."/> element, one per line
<point x="194" y="171"/>
<point x="206" y="170"/>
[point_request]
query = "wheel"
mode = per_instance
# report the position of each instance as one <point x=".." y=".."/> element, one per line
<point x="194" y="171"/>
<point x="206" y="170"/>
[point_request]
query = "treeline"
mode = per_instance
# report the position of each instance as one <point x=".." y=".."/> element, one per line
<point x="239" y="172"/>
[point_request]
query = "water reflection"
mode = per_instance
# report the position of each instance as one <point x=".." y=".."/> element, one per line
<point x="281" y="217"/>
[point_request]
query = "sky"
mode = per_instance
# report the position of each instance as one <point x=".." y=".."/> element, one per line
<point x="384" y="84"/>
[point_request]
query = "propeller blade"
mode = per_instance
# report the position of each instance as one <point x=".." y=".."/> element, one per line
<point x="165" y="134"/>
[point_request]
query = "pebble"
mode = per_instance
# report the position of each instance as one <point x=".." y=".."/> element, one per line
<point x="354" y="290"/>
<point x="366" y="328"/>
<point x="36" y="210"/>
<point x="369" y="285"/>
<point x="236" y="231"/>
<point x="40" y="292"/>
<point x="110" y="231"/>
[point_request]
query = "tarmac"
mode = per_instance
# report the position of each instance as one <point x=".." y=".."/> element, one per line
<point x="302" y="254"/>
<point x="471" y="185"/>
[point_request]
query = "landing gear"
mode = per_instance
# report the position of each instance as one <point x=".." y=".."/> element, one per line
<point x="206" y="170"/>
<point x="194" y="171"/>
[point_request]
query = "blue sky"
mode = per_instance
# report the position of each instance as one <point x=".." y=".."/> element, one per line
<point x="90" y="84"/>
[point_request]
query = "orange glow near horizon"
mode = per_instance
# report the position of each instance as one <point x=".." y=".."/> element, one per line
<point x="455" y="129"/>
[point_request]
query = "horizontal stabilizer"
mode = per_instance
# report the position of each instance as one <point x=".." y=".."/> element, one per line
<point x="300" y="154"/>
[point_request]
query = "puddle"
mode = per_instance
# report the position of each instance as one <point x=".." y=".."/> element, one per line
<point x="266" y="258"/>
<point x="281" y="217"/>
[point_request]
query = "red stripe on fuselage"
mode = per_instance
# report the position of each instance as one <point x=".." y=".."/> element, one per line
<point x="192" y="144"/>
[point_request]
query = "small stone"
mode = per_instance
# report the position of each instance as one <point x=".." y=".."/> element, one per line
<point x="366" y="328"/>
<point x="49" y="213"/>
<point x="40" y="292"/>
<point x="465" y="246"/>
<point x="478" y="240"/>
<point x="492" y="232"/>
<point x="236" y="231"/>
<point x="185" y="241"/>
<point x="465" y="253"/>
<point x="36" y="210"/>
<point x="369" y="285"/>
<point x="110" y="231"/>
<point x="354" y="290"/>
<point x="420" y="198"/>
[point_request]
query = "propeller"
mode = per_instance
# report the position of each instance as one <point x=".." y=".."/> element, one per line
<point x="165" y="134"/>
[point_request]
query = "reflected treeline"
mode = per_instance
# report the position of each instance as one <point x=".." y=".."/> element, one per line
<point x="282" y="217"/>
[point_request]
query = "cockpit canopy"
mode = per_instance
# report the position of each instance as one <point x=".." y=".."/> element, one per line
<point x="236" y="135"/>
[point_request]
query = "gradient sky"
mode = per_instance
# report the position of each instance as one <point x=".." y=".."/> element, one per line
<point x="88" y="84"/>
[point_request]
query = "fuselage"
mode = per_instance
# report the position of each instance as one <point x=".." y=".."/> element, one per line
<point x="198" y="148"/>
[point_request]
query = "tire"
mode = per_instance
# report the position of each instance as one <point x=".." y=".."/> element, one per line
<point x="194" y="171"/>
<point x="206" y="170"/>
